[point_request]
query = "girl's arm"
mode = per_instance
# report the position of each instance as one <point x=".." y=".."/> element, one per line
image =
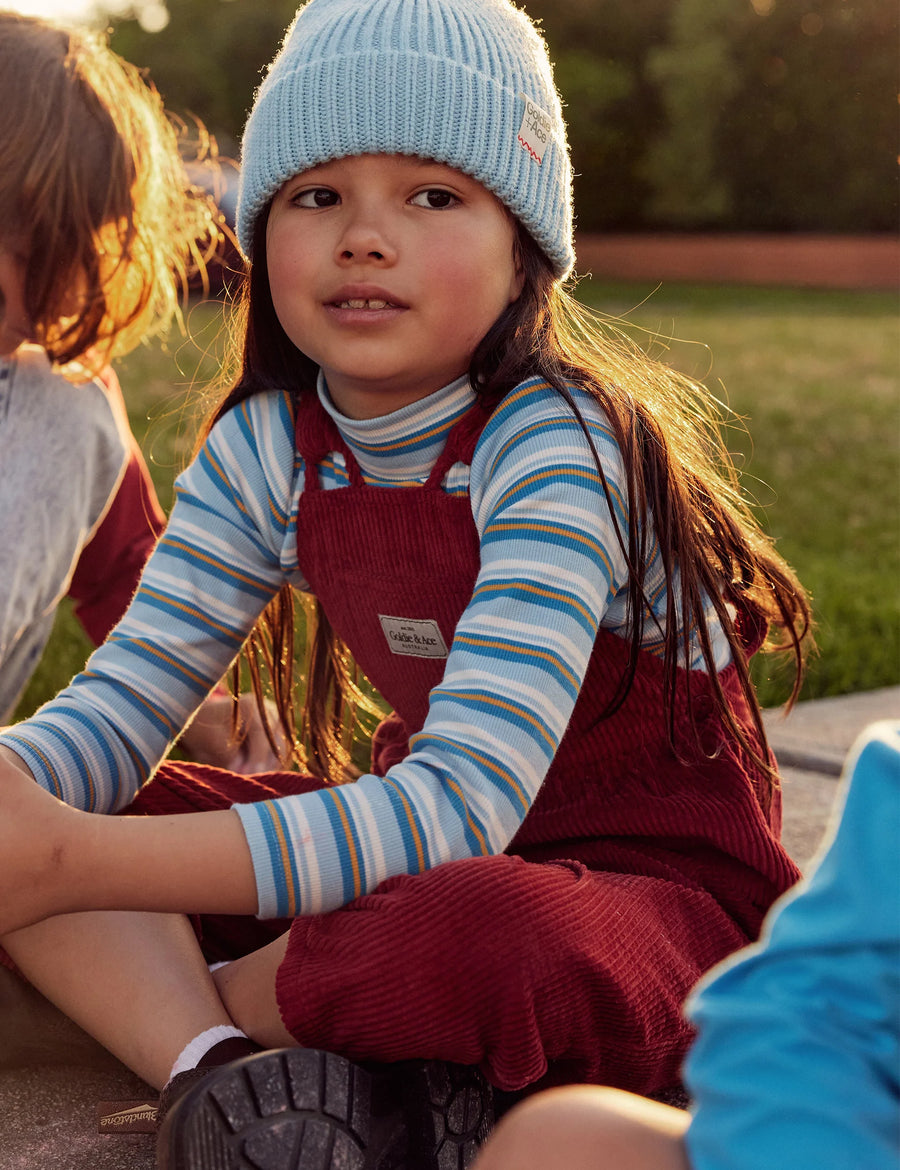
<point x="474" y="769"/>
<point x="512" y="679"/>
<point x="56" y="859"/>
<point x="106" y="578"/>
<point x="229" y="546"/>
<point x="549" y="566"/>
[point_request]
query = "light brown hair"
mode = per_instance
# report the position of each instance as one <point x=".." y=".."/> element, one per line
<point x="93" y="193"/>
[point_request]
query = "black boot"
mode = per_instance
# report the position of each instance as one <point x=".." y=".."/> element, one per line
<point x="302" y="1109"/>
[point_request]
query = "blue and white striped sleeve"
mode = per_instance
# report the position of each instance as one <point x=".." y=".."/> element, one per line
<point x="550" y="562"/>
<point x="229" y="545"/>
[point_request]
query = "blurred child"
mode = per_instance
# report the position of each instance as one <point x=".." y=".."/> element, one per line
<point x="797" y="1062"/>
<point x="97" y="232"/>
<point x="530" y="538"/>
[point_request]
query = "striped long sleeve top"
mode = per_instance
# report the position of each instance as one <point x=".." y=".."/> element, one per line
<point x="551" y="572"/>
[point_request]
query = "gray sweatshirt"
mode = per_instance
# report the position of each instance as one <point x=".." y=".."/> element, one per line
<point x="64" y="448"/>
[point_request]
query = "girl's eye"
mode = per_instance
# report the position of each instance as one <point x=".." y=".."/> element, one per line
<point x="315" y="197"/>
<point x="434" y="198"/>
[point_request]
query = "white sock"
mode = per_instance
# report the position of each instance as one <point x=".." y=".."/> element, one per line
<point x="193" y="1052"/>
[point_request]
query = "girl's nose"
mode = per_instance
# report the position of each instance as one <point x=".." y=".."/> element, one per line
<point x="365" y="240"/>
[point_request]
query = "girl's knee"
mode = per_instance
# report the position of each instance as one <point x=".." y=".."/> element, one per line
<point x="246" y="987"/>
<point x="586" y="1127"/>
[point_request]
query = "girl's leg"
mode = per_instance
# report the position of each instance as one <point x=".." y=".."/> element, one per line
<point x="498" y="963"/>
<point x="583" y="1127"/>
<point x="137" y="982"/>
<point x="247" y="989"/>
<point x="290" y="1104"/>
<point x="528" y="971"/>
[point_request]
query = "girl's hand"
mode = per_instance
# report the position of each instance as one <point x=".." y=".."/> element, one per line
<point x="58" y="860"/>
<point x="209" y="739"/>
<point x="37" y="842"/>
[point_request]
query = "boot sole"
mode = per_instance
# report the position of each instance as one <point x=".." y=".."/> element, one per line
<point x="449" y="1111"/>
<point x="283" y="1109"/>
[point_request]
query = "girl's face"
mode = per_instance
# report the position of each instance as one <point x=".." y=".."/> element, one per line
<point x="387" y="271"/>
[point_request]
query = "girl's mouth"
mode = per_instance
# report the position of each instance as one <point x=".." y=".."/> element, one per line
<point x="372" y="303"/>
<point x="363" y="306"/>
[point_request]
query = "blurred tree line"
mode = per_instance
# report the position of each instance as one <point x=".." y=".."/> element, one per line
<point x="735" y="115"/>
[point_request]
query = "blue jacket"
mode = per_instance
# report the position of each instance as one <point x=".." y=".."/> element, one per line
<point x="797" y="1062"/>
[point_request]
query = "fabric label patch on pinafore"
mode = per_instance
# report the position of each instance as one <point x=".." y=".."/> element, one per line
<point x="420" y="639"/>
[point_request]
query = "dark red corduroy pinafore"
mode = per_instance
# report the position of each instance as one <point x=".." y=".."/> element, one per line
<point x="571" y="954"/>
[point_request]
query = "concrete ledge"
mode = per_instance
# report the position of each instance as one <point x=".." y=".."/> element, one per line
<point x="808" y="804"/>
<point x="817" y="735"/>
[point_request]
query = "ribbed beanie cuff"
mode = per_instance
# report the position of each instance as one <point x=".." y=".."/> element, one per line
<point x="465" y="82"/>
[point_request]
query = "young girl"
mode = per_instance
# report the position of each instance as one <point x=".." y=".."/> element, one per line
<point x="97" y="231"/>
<point x="798" y="1057"/>
<point x="521" y="531"/>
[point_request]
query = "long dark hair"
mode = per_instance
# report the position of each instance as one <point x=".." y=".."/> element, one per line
<point x="682" y="489"/>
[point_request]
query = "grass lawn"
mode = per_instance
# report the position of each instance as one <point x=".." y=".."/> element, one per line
<point x="813" y="374"/>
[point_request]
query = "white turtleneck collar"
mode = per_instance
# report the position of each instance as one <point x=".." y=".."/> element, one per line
<point x="404" y="444"/>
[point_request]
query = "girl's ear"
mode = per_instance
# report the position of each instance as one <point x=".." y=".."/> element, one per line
<point x="517" y="283"/>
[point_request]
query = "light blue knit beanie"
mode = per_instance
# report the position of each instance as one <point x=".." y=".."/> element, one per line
<point x="465" y="82"/>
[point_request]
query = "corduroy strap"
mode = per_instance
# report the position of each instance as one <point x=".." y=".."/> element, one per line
<point x="316" y="436"/>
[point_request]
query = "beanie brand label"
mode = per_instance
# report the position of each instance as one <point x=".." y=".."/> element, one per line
<point x="534" y="133"/>
<point x="420" y="639"/>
